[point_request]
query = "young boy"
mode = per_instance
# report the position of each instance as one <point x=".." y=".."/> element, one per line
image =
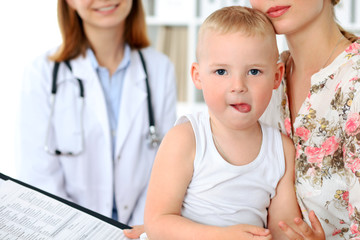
<point x="221" y="174"/>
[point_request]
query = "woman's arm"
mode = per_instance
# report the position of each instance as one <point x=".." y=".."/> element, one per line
<point x="285" y="220"/>
<point x="284" y="206"/>
<point x="351" y="149"/>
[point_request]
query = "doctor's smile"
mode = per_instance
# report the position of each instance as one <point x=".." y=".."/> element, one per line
<point x="107" y="9"/>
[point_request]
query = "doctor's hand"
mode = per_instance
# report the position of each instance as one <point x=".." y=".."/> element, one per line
<point x="135" y="232"/>
<point x="304" y="231"/>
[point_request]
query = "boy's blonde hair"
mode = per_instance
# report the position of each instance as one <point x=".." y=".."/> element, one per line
<point x="247" y="21"/>
<point x="238" y="18"/>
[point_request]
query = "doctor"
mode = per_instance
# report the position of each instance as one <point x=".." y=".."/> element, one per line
<point x="89" y="139"/>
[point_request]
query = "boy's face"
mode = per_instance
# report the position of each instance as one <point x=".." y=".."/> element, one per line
<point x="237" y="74"/>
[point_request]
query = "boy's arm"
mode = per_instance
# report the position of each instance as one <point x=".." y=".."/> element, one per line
<point x="284" y="206"/>
<point x="171" y="175"/>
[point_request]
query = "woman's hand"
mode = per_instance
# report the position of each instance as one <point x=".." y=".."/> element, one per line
<point x="135" y="232"/>
<point x="305" y="232"/>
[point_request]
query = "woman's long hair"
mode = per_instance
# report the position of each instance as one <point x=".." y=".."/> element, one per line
<point x="74" y="40"/>
<point x="350" y="36"/>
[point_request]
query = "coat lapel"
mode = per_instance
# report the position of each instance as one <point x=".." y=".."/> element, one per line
<point x="133" y="98"/>
<point x="94" y="95"/>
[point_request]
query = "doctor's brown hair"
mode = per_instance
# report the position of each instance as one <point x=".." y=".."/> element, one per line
<point x="74" y="41"/>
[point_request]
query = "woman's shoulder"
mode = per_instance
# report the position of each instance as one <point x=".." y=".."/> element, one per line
<point x="347" y="72"/>
<point x="353" y="50"/>
<point x="350" y="61"/>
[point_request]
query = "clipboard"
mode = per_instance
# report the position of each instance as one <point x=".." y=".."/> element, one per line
<point x="63" y="202"/>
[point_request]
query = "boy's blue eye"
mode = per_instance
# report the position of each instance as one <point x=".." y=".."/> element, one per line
<point x="254" y="71"/>
<point x="220" y="72"/>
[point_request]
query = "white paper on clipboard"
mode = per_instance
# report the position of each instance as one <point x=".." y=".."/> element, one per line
<point x="28" y="214"/>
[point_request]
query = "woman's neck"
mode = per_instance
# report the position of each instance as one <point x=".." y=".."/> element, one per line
<point x="312" y="48"/>
<point x="316" y="46"/>
<point x="108" y="46"/>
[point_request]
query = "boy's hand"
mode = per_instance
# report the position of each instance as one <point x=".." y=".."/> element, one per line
<point x="305" y="232"/>
<point x="135" y="232"/>
<point x="244" y="231"/>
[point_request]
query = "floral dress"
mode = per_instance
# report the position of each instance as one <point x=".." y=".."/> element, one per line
<point x="326" y="134"/>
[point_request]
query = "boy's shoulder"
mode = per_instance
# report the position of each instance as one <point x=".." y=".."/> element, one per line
<point x="199" y="116"/>
<point x="287" y="142"/>
<point x="181" y="133"/>
<point x="194" y="119"/>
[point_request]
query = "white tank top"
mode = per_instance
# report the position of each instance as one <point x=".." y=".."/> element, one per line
<point x="222" y="194"/>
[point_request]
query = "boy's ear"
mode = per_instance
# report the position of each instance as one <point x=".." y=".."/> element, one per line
<point x="195" y="75"/>
<point x="279" y="74"/>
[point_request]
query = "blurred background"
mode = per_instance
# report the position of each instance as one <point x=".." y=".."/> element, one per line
<point x="29" y="28"/>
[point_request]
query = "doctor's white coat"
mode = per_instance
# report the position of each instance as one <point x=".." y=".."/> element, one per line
<point x="91" y="178"/>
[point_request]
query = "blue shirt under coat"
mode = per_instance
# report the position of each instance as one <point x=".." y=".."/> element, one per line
<point x="112" y="87"/>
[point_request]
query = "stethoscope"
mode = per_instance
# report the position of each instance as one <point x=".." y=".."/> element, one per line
<point x="153" y="138"/>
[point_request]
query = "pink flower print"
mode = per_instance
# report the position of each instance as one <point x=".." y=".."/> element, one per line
<point x="345" y="196"/>
<point x="308" y="107"/>
<point x="352" y="124"/>
<point x="330" y="145"/>
<point x="337" y="86"/>
<point x="355" y="229"/>
<point x="354" y="165"/>
<point x="353" y="48"/>
<point x="336" y="232"/>
<point x="315" y="155"/>
<point x="354" y="79"/>
<point x="303" y="133"/>
<point x="287" y="124"/>
<point x="350" y="210"/>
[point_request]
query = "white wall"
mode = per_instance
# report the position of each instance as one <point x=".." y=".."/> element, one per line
<point x="27" y="28"/>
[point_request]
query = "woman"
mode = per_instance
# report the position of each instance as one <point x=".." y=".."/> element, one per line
<point x="111" y="158"/>
<point x="318" y="105"/>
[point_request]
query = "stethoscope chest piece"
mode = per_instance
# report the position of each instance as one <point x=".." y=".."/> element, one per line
<point x="154" y="140"/>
